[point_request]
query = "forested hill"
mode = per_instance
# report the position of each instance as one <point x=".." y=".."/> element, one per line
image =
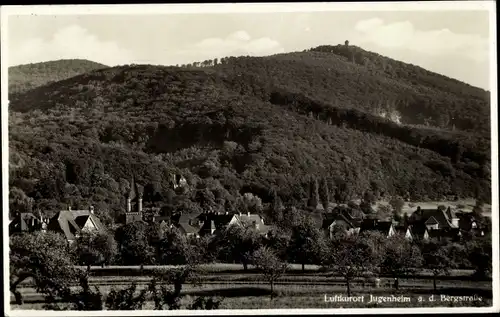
<point x="25" y="77"/>
<point x="258" y="125"/>
<point x="354" y="78"/>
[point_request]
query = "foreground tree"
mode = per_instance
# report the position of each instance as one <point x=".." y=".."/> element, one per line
<point x="480" y="255"/>
<point x="354" y="255"/>
<point x="307" y="244"/>
<point x="270" y="264"/>
<point x="95" y="247"/>
<point x="401" y="257"/>
<point x="134" y="247"/>
<point x="437" y="258"/>
<point x="44" y="257"/>
<point x="238" y="243"/>
<point x="174" y="248"/>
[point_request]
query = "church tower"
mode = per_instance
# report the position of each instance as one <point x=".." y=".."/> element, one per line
<point x="134" y="202"/>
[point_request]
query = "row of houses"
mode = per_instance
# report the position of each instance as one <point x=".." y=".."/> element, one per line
<point x="422" y="224"/>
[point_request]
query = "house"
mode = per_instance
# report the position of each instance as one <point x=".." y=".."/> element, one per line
<point x="469" y="224"/>
<point x="435" y="218"/>
<point x="405" y="231"/>
<point x="354" y="215"/>
<point x="179" y="182"/>
<point x="216" y="222"/>
<point x="438" y="222"/>
<point x="334" y="222"/>
<point x="24" y="222"/>
<point x="374" y="225"/>
<point x="419" y="232"/>
<point x="454" y="234"/>
<point x="188" y="226"/>
<point x="72" y="222"/>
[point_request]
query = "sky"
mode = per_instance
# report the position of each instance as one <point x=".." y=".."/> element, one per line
<point x="454" y="43"/>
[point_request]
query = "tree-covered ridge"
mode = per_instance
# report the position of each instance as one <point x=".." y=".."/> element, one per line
<point x="399" y="92"/>
<point x="77" y="142"/>
<point x="25" y="77"/>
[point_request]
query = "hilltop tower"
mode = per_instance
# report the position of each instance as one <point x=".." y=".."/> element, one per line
<point x="134" y="202"/>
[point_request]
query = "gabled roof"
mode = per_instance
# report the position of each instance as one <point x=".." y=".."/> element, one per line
<point x="375" y="225"/>
<point x="187" y="228"/>
<point x="330" y="218"/>
<point x="64" y="222"/>
<point x="23" y="222"/>
<point x="70" y="222"/>
<point x="402" y="229"/>
<point x="431" y="221"/>
<point x="438" y="214"/>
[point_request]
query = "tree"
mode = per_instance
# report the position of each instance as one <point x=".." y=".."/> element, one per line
<point x="238" y="243"/>
<point x="354" y="255"/>
<point x="126" y="299"/>
<point x="46" y="258"/>
<point x="270" y="264"/>
<point x="133" y="245"/>
<point x="324" y="193"/>
<point x="278" y="240"/>
<point x="19" y="202"/>
<point x="480" y="255"/>
<point x="175" y="249"/>
<point x="307" y="244"/>
<point x="437" y="258"/>
<point x="170" y="297"/>
<point x="397" y="204"/>
<point x="401" y="257"/>
<point x="96" y="247"/>
<point x="313" y="194"/>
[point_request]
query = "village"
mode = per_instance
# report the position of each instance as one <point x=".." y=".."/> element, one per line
<point x="438" y="220"/>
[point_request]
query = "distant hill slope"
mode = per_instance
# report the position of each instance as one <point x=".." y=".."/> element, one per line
<point x="247" y="125"/>
<point x="404" y="92"/>
<point x="29" y="76"/>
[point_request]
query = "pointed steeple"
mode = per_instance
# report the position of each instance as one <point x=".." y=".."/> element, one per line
<point x="132" y="194"/>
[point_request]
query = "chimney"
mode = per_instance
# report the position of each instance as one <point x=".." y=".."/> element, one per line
<point x="91" y="209"/>
<point x="69" y="207"/>
<point x="227" y="212"/>
<point x="248" y="214"/>
<point x="129" y="204"/>
<point x="139" y="204"/>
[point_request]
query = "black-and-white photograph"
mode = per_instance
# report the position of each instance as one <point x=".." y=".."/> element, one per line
<point x="250" y="158"/>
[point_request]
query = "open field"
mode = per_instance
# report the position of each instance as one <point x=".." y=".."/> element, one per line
<point x="255" y="296"/>
<point x="248" y="290"/>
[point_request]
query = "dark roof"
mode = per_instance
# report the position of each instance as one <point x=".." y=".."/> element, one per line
<point x="418" y="230"/>
<point x="81" y="220"/>
<point x="401" y="229"/>
<point x="453" y="233"/>
<point x="187" y="228"/>
<point x="438" y="214"/>
<point x="135" y="191"/>
<point x="24" y="222"/>
<point x="70" y="222"/>
<point x="376" y="225"/>
<point x="330" y="218"/>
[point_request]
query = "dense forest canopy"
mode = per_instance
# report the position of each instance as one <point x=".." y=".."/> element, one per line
<point x="25" y="77"/>
<point x="239" y="125"/>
